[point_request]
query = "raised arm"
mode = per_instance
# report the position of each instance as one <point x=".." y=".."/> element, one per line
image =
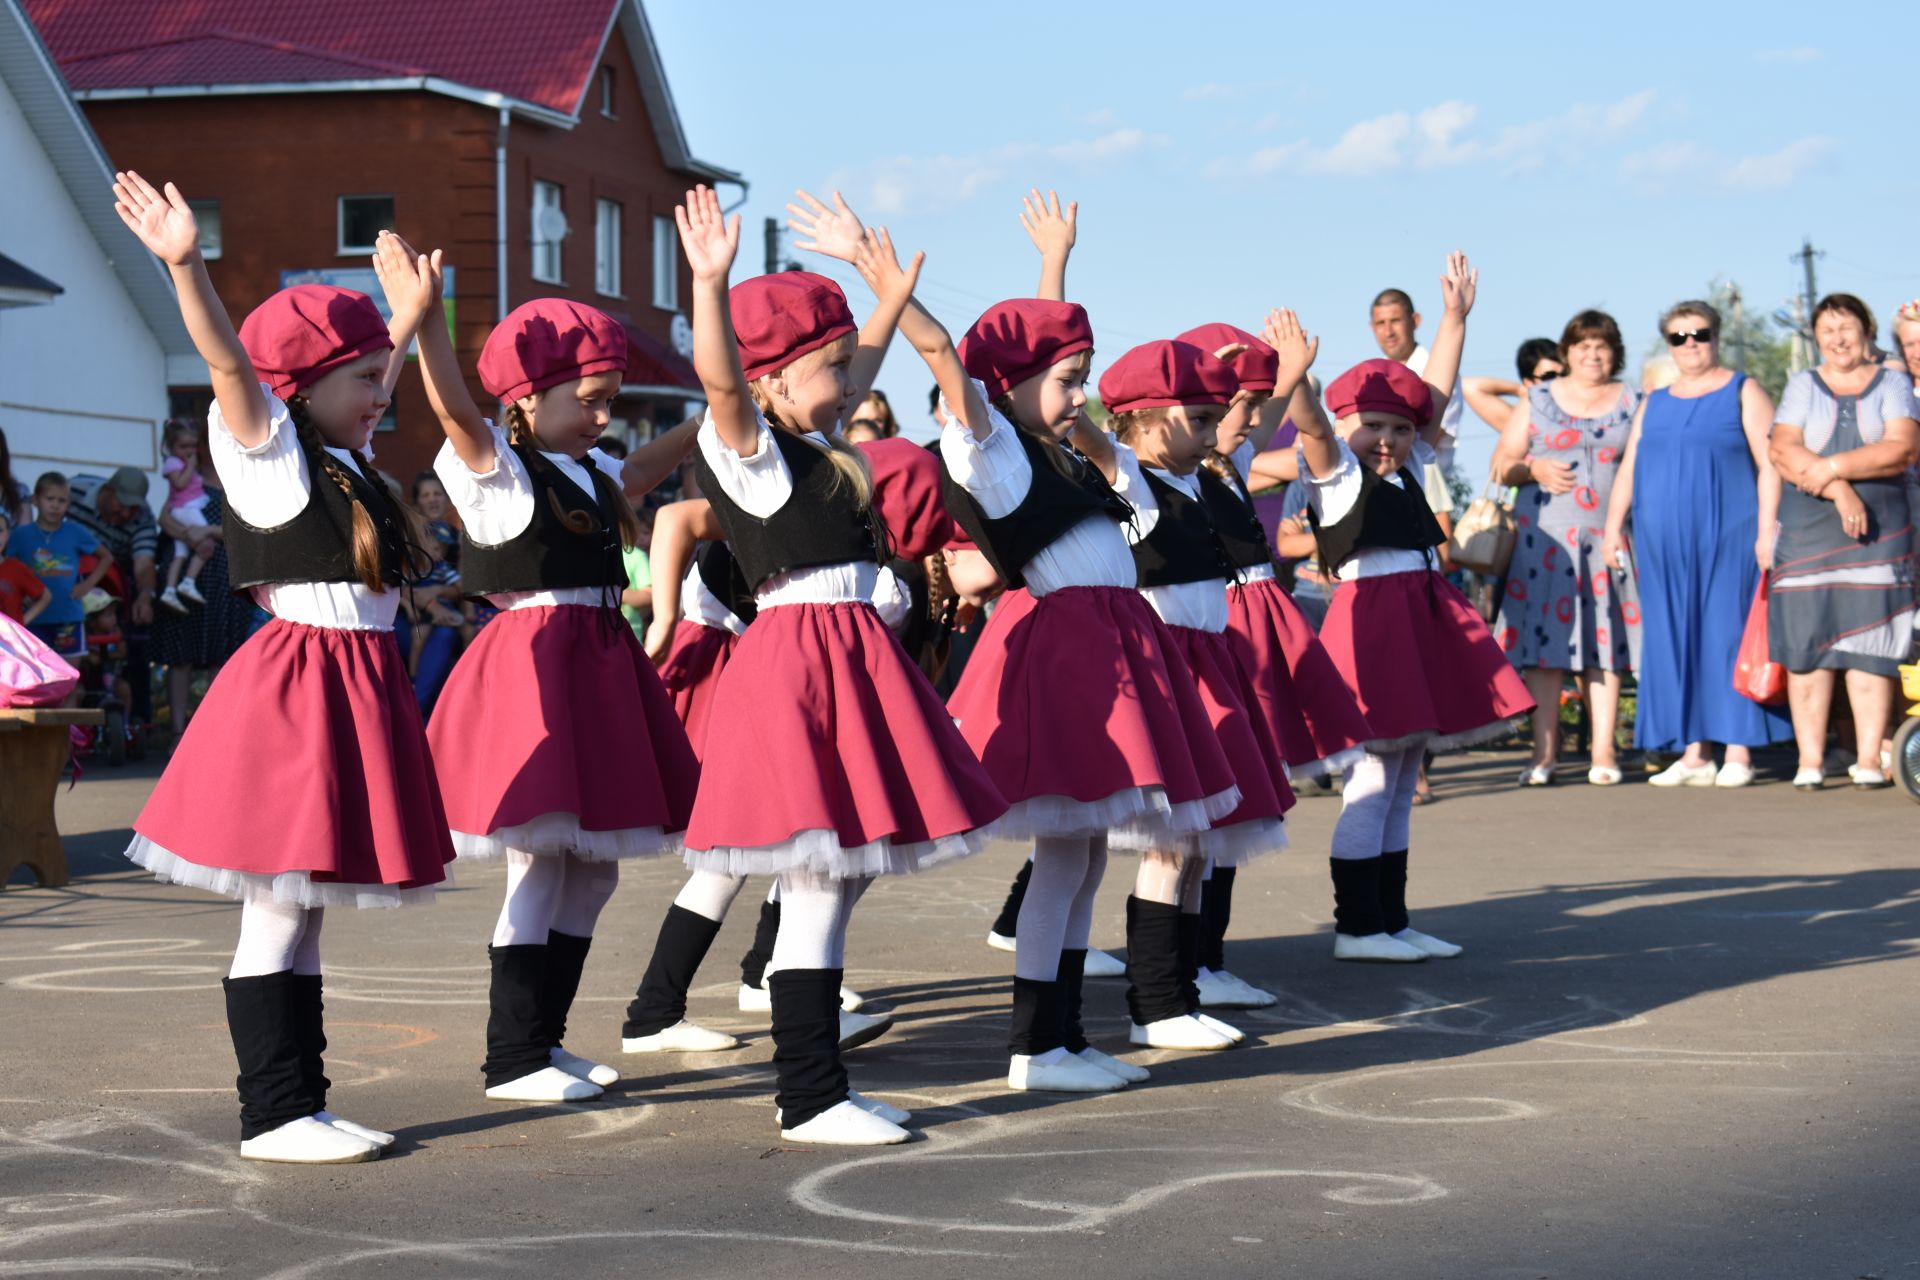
<point x="412" y="289"/>
<point x="166" y="226"/>
<point x="837" y="233"/>
<point x="1458" y="287"/>
<point x="710" y="241"/>
<point x="1297" y="351"/>
<point x="879" y="265"/>
<point x="658" y="458"/>
<point x="412" y="282"/>
<point x="1491" y="398"/>
<point x="678" y="528"/>
<point x="1052" y="232"/>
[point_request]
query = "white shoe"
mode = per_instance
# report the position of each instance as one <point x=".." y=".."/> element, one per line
<point x="171" y="598"/>
<point x="1064" y="1074"/>
<point x="857" y="1029"/>
<point x="1213" y="1024"/>
<point x="1221" y="990"/>
<point x="190" y="592"/>
<point x="852" y="1001"/>
<point x="1867" y="779"/>
<point x="1375" y="946"/>
<point x="875" y="1107"/>
<point x="1114" y="1066"/>
<point x="582" y="1068"/>
<point x="1682" y="774"/>
<point x="548" y="1084"/>
<point x="309" y="1140"/>
<point x="681" y="1037"/>
<point x="1603" y="775"/>
<point x="1001" y="942"/>
<point x="1427" y="946"/>
<point x="377" y="1137"/>
<point x="1253" y="997"/>
<point x="1538" y="775"/>
<point x="1180" y="1032"/>
<point x="1734" y="775"/>
<point x="1809" y="779"/>
<point x="1102" y="965"/>
<point x="755" y="999"/>
<point x="846" y="1125"/>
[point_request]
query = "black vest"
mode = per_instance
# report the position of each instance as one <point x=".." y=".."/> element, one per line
<point x="720" y="574"/>
<point x="820" y="523"/>
<point x="317" y="544"/>
<point x="1387" y="515"/>
<point x="546" y="555"/>
<point x="1183" y="546"/>
<point x="1055" y="503"/>
<point x="1235" y="520"/>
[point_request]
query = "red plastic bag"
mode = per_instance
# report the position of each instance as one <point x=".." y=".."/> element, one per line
<point x="1755" y="674"/>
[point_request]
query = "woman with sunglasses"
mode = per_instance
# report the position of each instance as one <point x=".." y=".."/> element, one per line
<point x="1537" y="361"/>
<point x="1566" y="608"/>
<point x="1703" y="500"/>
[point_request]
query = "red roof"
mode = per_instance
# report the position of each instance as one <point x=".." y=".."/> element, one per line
<point x="544" y="52"/>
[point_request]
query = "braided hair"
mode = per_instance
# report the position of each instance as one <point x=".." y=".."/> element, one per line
<point x="520" y="432"/>
<point x="367" y="546"/>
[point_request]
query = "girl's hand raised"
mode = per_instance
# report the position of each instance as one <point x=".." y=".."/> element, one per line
<point x="1296" y="349"/>
<point x="410" y="280"/>
<point x="164" y="223"/>
<point x="1459" y="285"/>
<point x="709" y="238"/>
<point x="874" y="258"/>
<point x="1051" y="230"/>
<point x="834" y="233"/>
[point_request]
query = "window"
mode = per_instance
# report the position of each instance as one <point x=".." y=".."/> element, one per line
<point x="361" y="219"/>
<point x="206" y="213"/>
<point x="606" y="93"/>
<point x="549" y="229"/>
<point x="666" y="264"/>
<point x="606" y="247"/>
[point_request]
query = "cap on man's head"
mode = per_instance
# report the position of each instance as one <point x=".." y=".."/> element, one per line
<point x="129" y="484"/>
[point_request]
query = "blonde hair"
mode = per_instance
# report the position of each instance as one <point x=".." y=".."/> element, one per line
<point x="1126" y="424"/>
<point x="520" y="432"/>
<point x="849" y="464"/>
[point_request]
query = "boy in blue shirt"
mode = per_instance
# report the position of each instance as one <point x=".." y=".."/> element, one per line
<point x="52" y="547"/>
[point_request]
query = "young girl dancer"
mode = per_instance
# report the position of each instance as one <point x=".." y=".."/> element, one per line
<point x="1167" y="399"/>
<point x="843" y="764"/>
<point x="1421" y="663"/>
<point x="556" y="745"/>
<point x="314" y="718"/>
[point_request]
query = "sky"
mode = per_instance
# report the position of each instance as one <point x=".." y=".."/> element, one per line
<point x="1231" y="159"/>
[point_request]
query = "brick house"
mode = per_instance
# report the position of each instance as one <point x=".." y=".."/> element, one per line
<point x="537" y="145"/>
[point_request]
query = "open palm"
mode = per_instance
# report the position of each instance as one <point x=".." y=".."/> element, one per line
<point x="163" y="222"/>
<point x="835" y="232"/>
<point x="709" y="237"/>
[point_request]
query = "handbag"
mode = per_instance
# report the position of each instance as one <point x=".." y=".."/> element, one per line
<point x="1484" y="535"/>
<point x="31" y="673"/>
<point x="1755" y="675"/>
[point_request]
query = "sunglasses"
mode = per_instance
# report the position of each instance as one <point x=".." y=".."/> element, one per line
<point x="1701" y="336"/>
<point x="1548" y="376"/>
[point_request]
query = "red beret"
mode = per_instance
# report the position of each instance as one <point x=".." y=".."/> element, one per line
<point x="1016" y="339"/>
<point x="301" y="334"/>
<point x="1257" y="368"/>
<point x="779" y="318"/>
<point x="906" y="490"/>
<point x="1156" y="375"/>
<point x="1381" y="386"/>
<point x="549" y="341"/>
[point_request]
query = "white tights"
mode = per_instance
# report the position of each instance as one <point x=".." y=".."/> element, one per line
<point x="814" y="911"/>
<point x="1376" y="812"/>
<point x="276" y="937"/>
<point x="1170" y="879"/>
<point x="549" y="892"/>
<point x="709" y="894"/>
<point x="1058" y="909"/>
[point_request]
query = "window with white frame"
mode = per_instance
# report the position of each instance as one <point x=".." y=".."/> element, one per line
<point x="666" y="264"/>
<point x="606" y="247"/>
<point x="549" y="229"/>
<point x="606" y="93"/>
<point x="206" y="215"/>
<point x="361" y="219"/>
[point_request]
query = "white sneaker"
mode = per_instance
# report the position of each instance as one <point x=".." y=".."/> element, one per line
<point x="1427" y="946"/>
<point x="1376" y="947"/>
<point x="1114" y="1066"/>
<point x="1252" y="996"/>
<point x="1682" y="774"/>
<point x="852" y="1001"/>
<point x="309" y="1140"/>
<point x="190" y="592"/>
<point x="548" y="1084"/>
<point x="874" y="1107"/>
<point x="1734" y="775"/>
<point x="1181" y="1032"/>
<point x="1066" y="1073"/>
<point x="582" y="1068"/>
<point x="171" y="598"/>
<point x="1001" y="942"/>
<point x="1102" y="965"/>
<point x="755" y="999"/>
<point x="377" y="1137"/>
<point x="681" y="1037"/>
<point x="1221" y="990"/>
<point x="846" y="1125"/>
<point x="857" y="1029"/>
<point x="1213" y="1024"/>
<point x="1809" y="779"/>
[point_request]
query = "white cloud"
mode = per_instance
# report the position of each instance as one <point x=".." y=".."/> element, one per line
<point x="1370" y="147"/>
<point x="1568" y="135"/>
<point x="1776" y="170"/>
<point x="1802" y="54"/>
<point x="901" y="184"/>
<point x="1701" y="168"/>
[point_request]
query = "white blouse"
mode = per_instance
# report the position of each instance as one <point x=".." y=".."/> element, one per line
<point x="697" y="604"/>
<point x="267" y="485"/>
<point x="1201" y="605"/>
<point x="496" y="506"/>
<point x="760" y="485"/>
<point x="1333" y="497"/>
<point x="995" y="471"/>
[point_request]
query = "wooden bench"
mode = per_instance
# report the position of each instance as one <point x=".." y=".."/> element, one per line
<point x="34" y="748"/>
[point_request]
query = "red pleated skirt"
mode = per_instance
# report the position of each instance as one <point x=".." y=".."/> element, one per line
<point x="691" y="674"/>
<point x="555" y="735"/>
<point x="1420" y="662"/>
<point x="1308" y="708"/>
<point x="1088" y="721"/>
<point x="1226" y="690"/>
<point x="828" y="751"/>
<point x="304" y="777"/>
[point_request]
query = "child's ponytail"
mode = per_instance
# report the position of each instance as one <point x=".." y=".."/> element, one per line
<point x="851" y="472"/>
<point x="366" y="538"/>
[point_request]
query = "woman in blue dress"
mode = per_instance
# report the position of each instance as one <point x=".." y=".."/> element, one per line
<point x="1703" y="500"/>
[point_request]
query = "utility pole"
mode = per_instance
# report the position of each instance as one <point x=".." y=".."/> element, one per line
<point x="1806" y="256"/>
<point x="1737" y="330"/>
<point x="773" y="245"/>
